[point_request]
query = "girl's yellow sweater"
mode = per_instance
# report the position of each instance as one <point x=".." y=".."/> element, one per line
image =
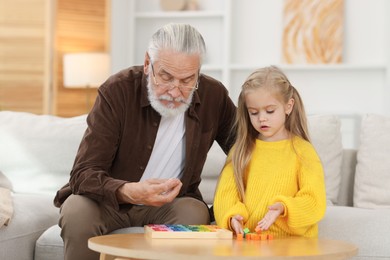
<point x="278" y="172"/>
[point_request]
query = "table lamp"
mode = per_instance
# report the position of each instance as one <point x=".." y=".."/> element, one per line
<point x="85" y="70"/>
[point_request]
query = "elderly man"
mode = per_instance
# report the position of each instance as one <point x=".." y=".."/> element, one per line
<point x="141" y="157"/>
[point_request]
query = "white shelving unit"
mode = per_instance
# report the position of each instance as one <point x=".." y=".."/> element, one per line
<point x="244" y="35"/>
<point x="212" y="20"/>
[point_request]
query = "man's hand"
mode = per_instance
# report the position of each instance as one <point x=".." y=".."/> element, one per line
<point x="236" y="224"/>
<point x="152" y="192"/>
<point x="274" y="211"/>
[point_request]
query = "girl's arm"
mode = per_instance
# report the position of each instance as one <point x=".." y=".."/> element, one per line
<point x="227" y="203"/>
<point x="308" y="206"/>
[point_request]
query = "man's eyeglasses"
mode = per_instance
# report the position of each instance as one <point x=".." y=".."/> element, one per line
<point x="168" y="84"/>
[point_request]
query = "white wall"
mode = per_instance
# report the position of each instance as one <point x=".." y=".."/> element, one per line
<point x="120" y="41"/>
<point x="358" y="86"/>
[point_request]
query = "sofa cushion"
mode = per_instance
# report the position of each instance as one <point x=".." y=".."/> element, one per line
<point x="45" y="144"/>
<point x="325" y="136"/>
<point x="50" y="244"/>
<point x="372" y="179"/>
<point x="33" y="214"/>
<point x="366" y="228"/>
<point x="211" y="169"/>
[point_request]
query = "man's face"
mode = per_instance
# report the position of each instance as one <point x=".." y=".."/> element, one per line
<point x="172" y="80"/>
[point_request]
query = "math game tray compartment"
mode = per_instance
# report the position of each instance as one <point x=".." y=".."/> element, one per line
<point x="187" y="231"/>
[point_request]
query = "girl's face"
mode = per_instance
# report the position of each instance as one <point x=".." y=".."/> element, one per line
<point x="268" y="114"/>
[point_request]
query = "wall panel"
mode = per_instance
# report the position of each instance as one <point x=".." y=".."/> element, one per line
<point x="82" y="26"/>
<point x="25" y="49"/>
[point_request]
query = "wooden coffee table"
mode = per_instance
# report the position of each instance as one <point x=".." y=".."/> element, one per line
<point x="139" y="246"/>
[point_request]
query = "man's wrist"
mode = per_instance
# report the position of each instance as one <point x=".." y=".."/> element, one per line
<point x="123" y="193"/>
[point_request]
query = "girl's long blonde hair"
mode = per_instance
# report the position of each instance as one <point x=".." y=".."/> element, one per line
<point x="276" y="81"/>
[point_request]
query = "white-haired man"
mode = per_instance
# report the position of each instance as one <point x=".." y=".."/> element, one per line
<point x="141" y="157"/>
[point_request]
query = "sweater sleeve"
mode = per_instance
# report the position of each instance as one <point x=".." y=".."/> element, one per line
<point x="308" y="206"/>
<point x="226" y="201"/>
<point x="90" y="175"/>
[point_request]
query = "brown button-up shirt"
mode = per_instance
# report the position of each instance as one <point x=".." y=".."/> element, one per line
<point x="122" y="128"/>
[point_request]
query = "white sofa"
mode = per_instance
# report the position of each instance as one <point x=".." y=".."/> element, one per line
<point x="37" y="152"/>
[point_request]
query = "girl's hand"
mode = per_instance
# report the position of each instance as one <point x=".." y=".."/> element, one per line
<point x="274" y="211"/>
<point x="236" y="223"/>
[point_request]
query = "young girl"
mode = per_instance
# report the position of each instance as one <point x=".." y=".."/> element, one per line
<point x="273" y="179"/>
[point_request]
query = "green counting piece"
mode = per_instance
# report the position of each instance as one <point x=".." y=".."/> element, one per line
<point x="246" y="231"/>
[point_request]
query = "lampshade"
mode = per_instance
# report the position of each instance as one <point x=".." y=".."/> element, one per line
<point x="83" y="70"/>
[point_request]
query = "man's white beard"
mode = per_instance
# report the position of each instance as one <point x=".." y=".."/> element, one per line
<point x="165" y="111"/>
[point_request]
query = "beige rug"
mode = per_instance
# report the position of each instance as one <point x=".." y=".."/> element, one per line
<point x="6" y="206"/>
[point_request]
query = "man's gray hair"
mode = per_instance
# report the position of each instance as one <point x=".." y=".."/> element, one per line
<point x="177" y="37"/>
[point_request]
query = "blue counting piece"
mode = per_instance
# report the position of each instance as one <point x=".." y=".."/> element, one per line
<point x="178" y="228"/>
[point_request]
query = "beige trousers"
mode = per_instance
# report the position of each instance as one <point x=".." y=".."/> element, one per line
<point x="82" y="218"/>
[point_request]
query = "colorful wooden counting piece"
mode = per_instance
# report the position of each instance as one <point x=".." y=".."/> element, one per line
<point x="255" y="237"/>
<point x="247" y="235"/>
<point x="258" y="230"/>
<point x="187" y="231"/>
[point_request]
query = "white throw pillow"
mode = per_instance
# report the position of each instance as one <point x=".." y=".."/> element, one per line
<point x="37" y="151"/>
<point x="372" y="179"/>
<point x="326" y="138"/>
